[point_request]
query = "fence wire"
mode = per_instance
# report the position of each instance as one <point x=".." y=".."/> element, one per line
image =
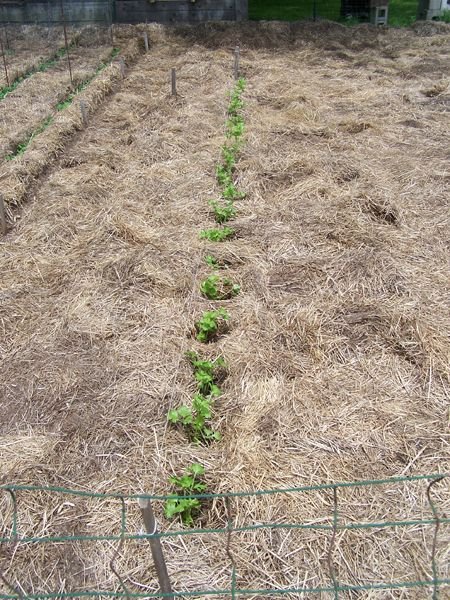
<point x="13" y="538"/>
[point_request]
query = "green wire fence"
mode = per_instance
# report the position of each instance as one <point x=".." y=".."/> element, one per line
<point x="435" y="585"/>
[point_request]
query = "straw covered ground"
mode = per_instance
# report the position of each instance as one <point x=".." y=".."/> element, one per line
<point x="27" y="46"/>
<point x="337" y="346"/>
<point x="23" y="110"/>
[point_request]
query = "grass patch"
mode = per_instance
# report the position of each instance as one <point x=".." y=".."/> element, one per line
<point x="402" y="13"/>
<point x="294" y="11"/>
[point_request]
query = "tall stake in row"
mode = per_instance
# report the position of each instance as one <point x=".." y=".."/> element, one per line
<point x="174" y="82"/>
<point x="237" y="54"/>
<point x="66" y="42"/>
<point x="4" y="62"/>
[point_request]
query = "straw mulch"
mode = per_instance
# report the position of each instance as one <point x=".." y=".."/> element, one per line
<point x="28" y="45"/>
<point x="18" y="175"/>
<point x="36" y="98"/>
<point x="338" y="347"/>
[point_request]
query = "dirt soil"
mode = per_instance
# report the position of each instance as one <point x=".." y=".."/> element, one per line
<point x="338" y="344"/>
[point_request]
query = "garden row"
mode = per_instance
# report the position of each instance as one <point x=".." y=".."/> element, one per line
<point x="45" y="91"/>
<point x="20" y="146"/>
<point x="195" y="419"/>
<point x="14" y="80"/>
<point x="49" y="136"/>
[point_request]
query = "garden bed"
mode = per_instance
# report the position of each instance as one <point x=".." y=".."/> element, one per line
<point x="336" y="346"/>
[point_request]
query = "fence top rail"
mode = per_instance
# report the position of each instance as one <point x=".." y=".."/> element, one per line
<point x="307" y="488"/>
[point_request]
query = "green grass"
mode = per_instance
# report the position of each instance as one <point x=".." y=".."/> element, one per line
<point x="401" y="12"/>
<point x="292" y="10"/>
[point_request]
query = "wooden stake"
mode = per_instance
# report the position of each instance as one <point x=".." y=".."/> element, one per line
<point x="66" y="42"/>
<point x="2" y="216"/>
<point x="174" y="82"/>
<point x="4" y="61"/>
<point x="155" y="546"/>
<point x="8" y="47"/>
<point x="237" y="54"/>
<point x="122" y="66"/>
<point x="146" y="41"/>
<point x="83" y="111"/>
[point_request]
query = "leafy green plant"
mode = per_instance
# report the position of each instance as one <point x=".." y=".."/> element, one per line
<point x="230" y="192"/>
<point x="235" y="127"/>
<point x="212" y="262"/>
<point x="210" y="324"/>
<point x="240" y="84"/>
<point x="188" y="484"/>
<point x="222" y="212"/>
<point x="194" y="418"/>
<point x="215" y="287"/>
<point x="207" y="373"/>
<point x="216" y="235"/>
<point x="229" y="157"/>
<point x="236" y="103"/>
<point x="223" y="175"/>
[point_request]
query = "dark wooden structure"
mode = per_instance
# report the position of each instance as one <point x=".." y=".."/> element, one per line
<point x="122" y="11"/>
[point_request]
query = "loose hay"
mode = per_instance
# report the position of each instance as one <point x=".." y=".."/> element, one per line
<point x="338" y="347"/>
<point x="23" y="110"/>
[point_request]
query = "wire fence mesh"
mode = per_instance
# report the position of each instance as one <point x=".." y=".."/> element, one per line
<point x="14" y="535"/>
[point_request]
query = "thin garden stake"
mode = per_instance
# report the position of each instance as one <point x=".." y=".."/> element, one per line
<point x="66" y="42"/>
<point x="435" y="537"/>
<point x="174" y="82"/>
<point x="146" y="41"/>
<point x="2" y="216"/>
<point x="155" y="546"/>
<point x="4" y="61"/>
<point x="8" y="47"/>
<point x="237" y="54"/>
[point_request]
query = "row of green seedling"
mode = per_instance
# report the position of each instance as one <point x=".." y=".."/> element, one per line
<point x="195" y="418"/>
<point x="41" y="67"/>
<point x="224" y="209"/>
<point x="62" y="105"/>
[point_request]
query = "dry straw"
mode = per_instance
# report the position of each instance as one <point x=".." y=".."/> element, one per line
<point x="19" y="174"/>
<point x="37" y="97"/>
<point x="338" y="345"/>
